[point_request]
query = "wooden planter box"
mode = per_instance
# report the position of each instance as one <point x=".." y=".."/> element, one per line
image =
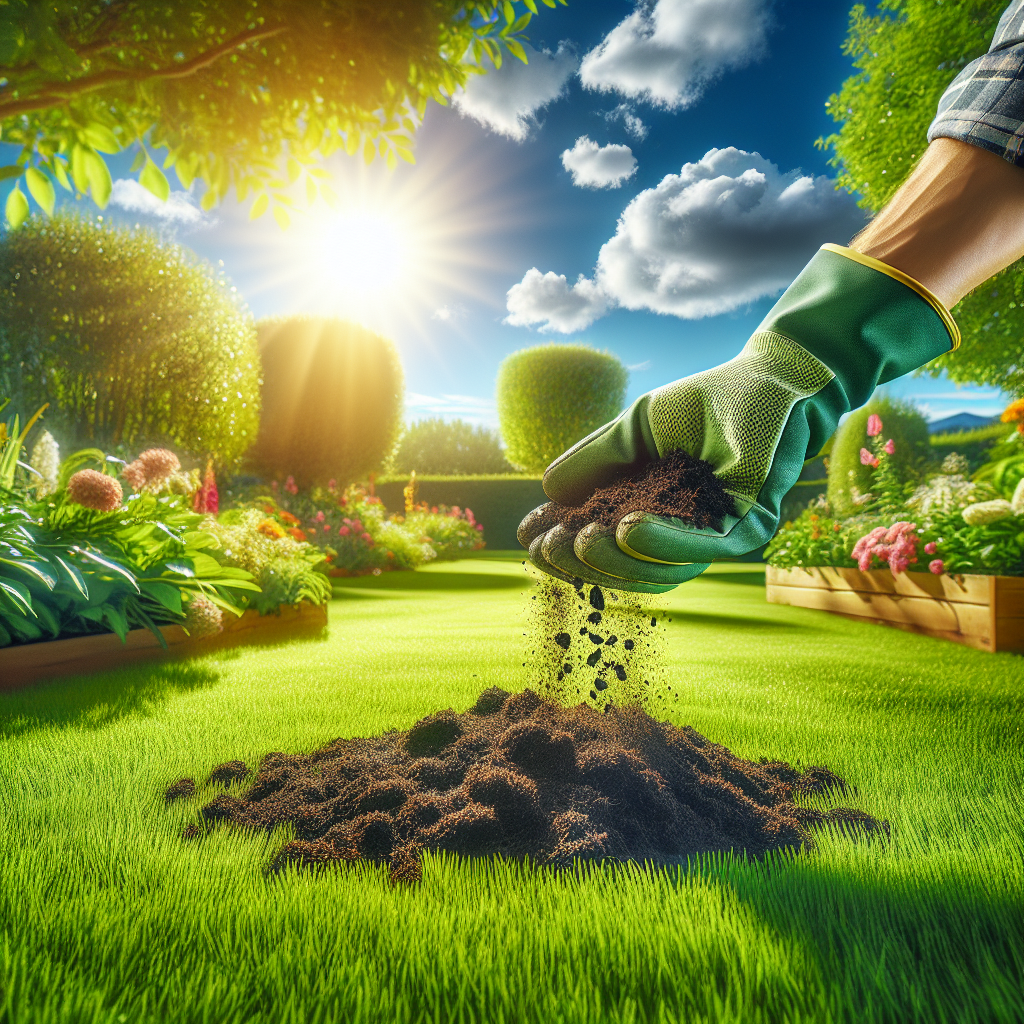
<point x="24" y="664"/>
<point x="986" y="612"/>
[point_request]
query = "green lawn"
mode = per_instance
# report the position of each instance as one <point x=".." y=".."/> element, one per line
<point x="106" y="915"/>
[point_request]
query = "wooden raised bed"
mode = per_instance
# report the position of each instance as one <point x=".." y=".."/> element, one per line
<point x="986" y="612"/>
<point x="24" y="664"/>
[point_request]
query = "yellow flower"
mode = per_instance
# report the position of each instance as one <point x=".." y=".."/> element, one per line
<point x="269" y="528"/>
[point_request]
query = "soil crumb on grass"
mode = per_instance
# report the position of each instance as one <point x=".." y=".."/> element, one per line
<point x="522" y="776"/>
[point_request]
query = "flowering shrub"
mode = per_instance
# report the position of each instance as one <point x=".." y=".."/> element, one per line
<point x="957" y="525"/>
<point x="357" y="536"/>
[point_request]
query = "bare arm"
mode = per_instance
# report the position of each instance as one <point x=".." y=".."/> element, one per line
<point x="956" y="221"/>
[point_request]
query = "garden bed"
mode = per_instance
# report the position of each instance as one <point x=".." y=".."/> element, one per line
<point x="24" y="664"/>
<point x="985" y="612"/>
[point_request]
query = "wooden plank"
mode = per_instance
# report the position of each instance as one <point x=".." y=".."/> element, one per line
<point x="968" y="589"/>
<point x="977" y="642"/>
<point x="24" y="664"/>
<point x="945" y="616"/>
<point x="1009" y="633"/>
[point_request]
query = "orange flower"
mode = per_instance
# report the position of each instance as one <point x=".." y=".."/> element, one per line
<point x="289" y="518"/>
<point x="271" y="529"/>
<point x="296" y="533"/>
<point x="1014" y="413"/>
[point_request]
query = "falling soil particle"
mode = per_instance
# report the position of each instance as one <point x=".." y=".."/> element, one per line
<point x="522" y="776"/>
<point x="678" y="486"/>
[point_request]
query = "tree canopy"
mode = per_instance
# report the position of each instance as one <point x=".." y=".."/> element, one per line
<point x="243" y="94"/>
<point x="451" y="447"/>
<point x="906" y="56"/>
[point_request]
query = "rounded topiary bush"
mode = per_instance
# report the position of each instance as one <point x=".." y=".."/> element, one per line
<point x="551" y="396"/>
<point x="848" y="479"/>
<point x="332" y="400"/>
<point x="133" y="343"/>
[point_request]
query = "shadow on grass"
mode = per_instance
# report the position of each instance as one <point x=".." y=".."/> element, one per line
<point x="94" y="702"/>
<point x="710" y="620"/>
<point x="747" y="579"/>
<point x="427" y="581"/>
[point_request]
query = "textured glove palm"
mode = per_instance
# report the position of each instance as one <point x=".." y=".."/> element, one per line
<point x="847" y="324"/>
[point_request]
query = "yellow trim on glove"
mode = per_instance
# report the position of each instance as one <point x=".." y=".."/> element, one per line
<point x="869" y="261"/>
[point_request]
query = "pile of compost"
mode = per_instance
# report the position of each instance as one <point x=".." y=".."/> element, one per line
<point x="524" y="777"/>
<point x="678" y="486"/>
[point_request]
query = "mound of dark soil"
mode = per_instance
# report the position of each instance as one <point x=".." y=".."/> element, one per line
<point x="522" y="776"/>
<point x="679" y="486"/>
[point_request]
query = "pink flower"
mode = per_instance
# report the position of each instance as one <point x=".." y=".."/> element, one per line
<point x="290" y="487"/>
<point x="479" y="527"/>
<point x="930" y="548"/>
<point x="91" y="489"/>
<point x="889" y="447"/>
<point x="320" y="517"/>
<point x="273" y="486"/>
<point x="135" y="475"/>
<point x="344" y="531"/>
<point x="332" y="484"/>
<point x="158" y="464"/>
<point x="867" y="459"/>
<point x="874" y="425"/>
<point x="357" y="525"/>
<point x="327" y="527"/>
<point x="367" y="538"/>
<point x="936" y="566"/>
<point x="207" y="500"/>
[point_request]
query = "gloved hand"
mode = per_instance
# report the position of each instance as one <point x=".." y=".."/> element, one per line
<point x="846" y="324"/>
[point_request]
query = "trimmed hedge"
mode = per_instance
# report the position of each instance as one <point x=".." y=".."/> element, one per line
<point x="551" y="396"/>
<point x="332" y="400"/>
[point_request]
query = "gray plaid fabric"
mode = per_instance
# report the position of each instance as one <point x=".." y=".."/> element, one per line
<point x="984" y="104"/>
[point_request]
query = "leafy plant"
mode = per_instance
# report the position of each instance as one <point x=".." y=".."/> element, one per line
<point x="130" y="341"/>
<point x="551" y="396"/>
<point x="231" y="90"/>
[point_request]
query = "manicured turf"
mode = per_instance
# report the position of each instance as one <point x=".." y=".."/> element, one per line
<point x="106" y="915"/>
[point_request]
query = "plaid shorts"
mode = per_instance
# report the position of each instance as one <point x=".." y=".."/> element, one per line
<point x="984" y="104"/>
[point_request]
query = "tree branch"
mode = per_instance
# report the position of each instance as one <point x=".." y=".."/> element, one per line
<point x="118" y="76"/>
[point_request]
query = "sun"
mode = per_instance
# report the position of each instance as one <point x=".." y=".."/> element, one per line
<point x="362" y="253"/>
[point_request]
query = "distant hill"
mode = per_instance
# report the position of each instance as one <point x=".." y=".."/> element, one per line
<point x="960" y="421"/>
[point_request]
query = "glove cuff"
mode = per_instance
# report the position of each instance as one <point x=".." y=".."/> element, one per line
<point x="867" y="322"/>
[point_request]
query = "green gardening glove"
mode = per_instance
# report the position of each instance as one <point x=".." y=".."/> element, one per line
<point x="847" y="324"/>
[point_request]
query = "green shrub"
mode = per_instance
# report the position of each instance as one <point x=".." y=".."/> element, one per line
<point x="455" y="447"/>
<point x="551" y="396"/>
<point x="332" y="400"/>
<point x="132" y="342"/>
<point x="848" y="479"/>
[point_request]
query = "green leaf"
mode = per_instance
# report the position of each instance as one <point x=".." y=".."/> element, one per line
<point x="41" y="188"/>
<point x="154" y="180"/>
<point x="18" y="595"/>
<point x="140" y="159"/>
<point x="181" y="569"/>
<point x="166" y="594"/>
<point x="61" y="172"/>
<point x="76" y="578"/>
<point x="516" y="49"/>
<point x="10" y="171"/>
<point x="510" y="12"/>
<point x="281" y="216"/>
<point x="100" y="182"/>
<point x="259" y="207"/>
<point x="531" y="5"/>
<point x="100" y="137"/>
<point x="294" y="169"/>
<point x="111" y="566"/>
<point x="16" y="208"/>
<point x="79" y="168"/>
<point x="369" y="152"/>
<point x="209" y="200"/>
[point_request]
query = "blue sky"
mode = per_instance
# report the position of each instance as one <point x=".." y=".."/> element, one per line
<point x="523" y="181"/>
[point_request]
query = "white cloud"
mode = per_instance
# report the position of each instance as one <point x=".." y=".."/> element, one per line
<point x="640" y="367"/>
<point x="449" y="314"/>
<point x="180" y="208"/>
<point x="667" y="54"/>
<point x="633" y="125"/>
<point x="725" y="231"/>
<point x="595" y="166"/>
<point x="507" y="100"/>
<point x="549" y="299"/>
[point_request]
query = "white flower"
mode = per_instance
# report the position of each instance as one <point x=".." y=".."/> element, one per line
<point x="983" y="512"/>
<point x="1017" y="501"/>
<point x="943" y="493"/>
<point x="45" y="460"/>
